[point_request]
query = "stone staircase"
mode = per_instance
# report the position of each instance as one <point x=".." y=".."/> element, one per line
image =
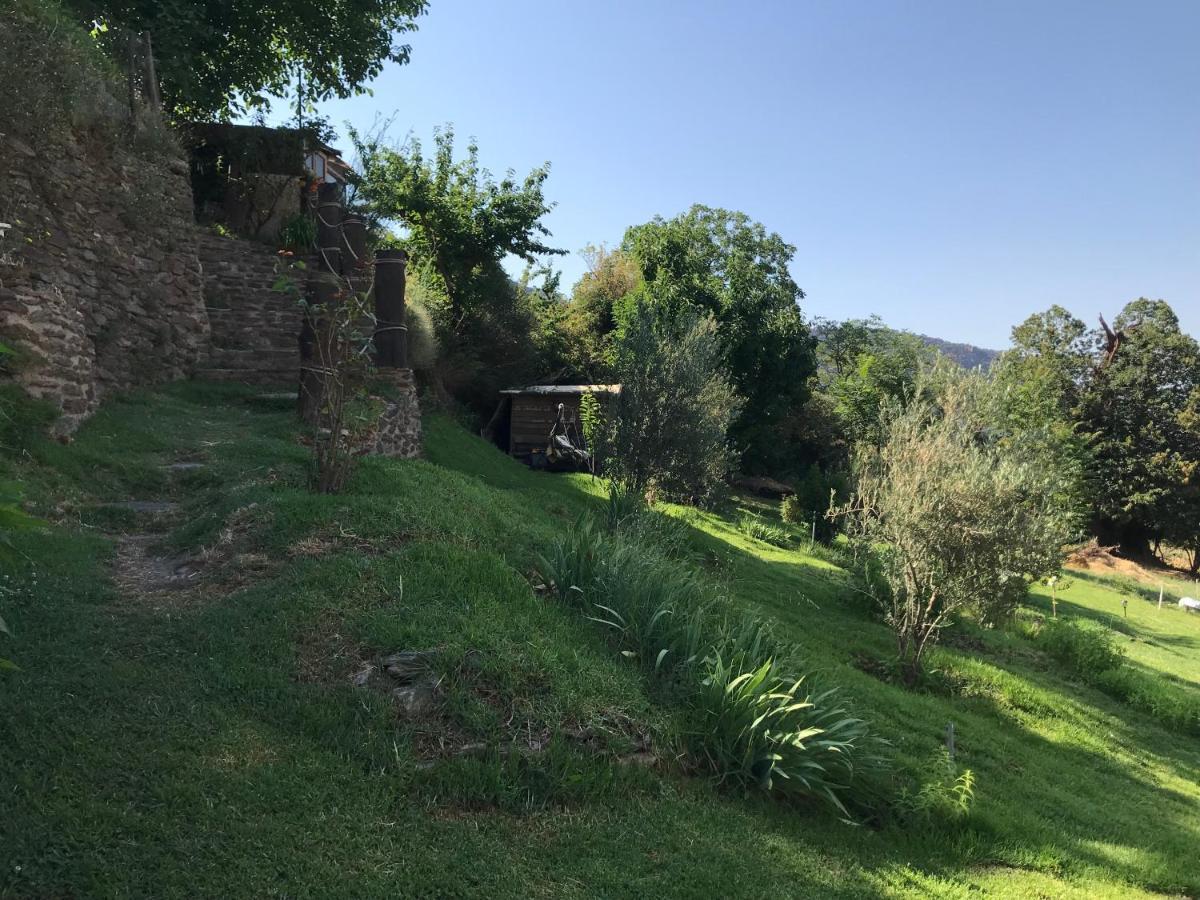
<point x="255" y="329"/>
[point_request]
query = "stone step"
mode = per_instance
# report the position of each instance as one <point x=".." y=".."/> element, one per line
<point x="249" y="376"/>
<point x="251" y="358"/>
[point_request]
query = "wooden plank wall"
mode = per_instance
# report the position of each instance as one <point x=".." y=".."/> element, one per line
<point x="532" y="418"/>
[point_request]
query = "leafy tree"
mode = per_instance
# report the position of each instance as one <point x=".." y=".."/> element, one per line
<point x="670" y="426"/>
<point x="729" y="267"/>
<point x="591" y="318"/>
<point x="948" y="516"/>
<point x="1120" y="400"/>
<point x="460" y="225"/>
<point x="1140" y="402"/>
<point x="215" y="59"/>
<point x="864" y="366"/>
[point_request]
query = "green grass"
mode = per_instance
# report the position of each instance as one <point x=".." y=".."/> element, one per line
<point x="215" y="746"/>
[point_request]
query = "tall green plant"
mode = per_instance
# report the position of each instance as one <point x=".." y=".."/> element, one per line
<point x="671" y="424"/>
<point x="950" y="516"/>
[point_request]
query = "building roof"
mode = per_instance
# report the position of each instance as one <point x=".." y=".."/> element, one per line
<point x="552" y="389"/>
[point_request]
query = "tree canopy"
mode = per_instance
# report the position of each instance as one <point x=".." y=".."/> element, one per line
<point x="459" y="224"/>
<point x="215" y="59"/>
<point x="1123" y="398"/>
<point x="726" y="265"/>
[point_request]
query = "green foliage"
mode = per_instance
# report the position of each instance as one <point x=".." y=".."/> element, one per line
<point x="299" y="232"/>
<point x="945" y="794"/>
<point x="1176" y="707"/>
<point x="951" y="519"/>
<point x="1124" y="407"/>
<point x="751" y="718"/>
<point x="461" y="224"/>
<point x="66" y="85"/>
<point x="726" y="266"/>
<point x="216" y="61"/>
<point x="754" y="527"/>
<point x="671" y="422"/>
<point x="592" y="423"/>
<point x="1090" y="650"/>
<point x="591" y="314"/>
<point x="865" y="367"/>
<point x="816" y="493"/>
<point x="1087" y="648"/>
<point x="23" y="419"/>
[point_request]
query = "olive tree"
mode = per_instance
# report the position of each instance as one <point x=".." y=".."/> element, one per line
<point x="949" y="514"/>
<point x="671" y="425"/>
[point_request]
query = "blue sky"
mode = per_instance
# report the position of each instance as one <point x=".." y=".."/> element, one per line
<point x="951" y="166"/>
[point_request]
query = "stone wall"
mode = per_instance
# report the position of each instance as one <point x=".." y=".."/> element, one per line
<point x="398" y="431"/>
<point x="100" y="278"/>
<point x="255" y="328"/>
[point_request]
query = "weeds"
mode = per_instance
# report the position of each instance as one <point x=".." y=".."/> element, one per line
<point x="945" y="794"/>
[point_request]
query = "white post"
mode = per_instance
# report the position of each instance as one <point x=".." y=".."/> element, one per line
<point x="1160" y="595"/>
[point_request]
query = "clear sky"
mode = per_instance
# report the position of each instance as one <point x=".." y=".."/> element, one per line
<point x="950" y="165"/>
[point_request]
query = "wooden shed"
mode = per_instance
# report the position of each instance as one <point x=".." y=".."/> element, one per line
<point x="525" y="417"/>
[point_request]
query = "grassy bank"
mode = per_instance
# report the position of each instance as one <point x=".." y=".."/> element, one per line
<point x="193" y="727"/>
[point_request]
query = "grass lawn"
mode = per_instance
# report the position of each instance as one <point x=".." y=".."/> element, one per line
<point x="195" y="730"/>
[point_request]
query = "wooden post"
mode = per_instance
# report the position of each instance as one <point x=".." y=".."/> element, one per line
<point x="324" y="291"/>
<point x="354" y="243"/>
<point x="391" y="334"/>
<point x="329" y="225"/>
<point x="326" y="288"/>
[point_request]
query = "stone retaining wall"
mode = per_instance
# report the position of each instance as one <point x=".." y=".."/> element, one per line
<point x="255" y="328"/>
<point x="100" y="285"/>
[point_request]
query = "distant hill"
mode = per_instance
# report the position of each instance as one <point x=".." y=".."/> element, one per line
<point x="966" y="355"/>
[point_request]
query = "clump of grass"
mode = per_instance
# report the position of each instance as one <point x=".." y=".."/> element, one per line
<point x="752" y="717"/>
<point x="755" y="528"/>
<point x="1175" y="707"/>
<point x="1090" y="651"/>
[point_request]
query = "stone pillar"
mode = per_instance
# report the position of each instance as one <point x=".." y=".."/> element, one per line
<point x="391" y="334"/>
<point x="398" y="432"/>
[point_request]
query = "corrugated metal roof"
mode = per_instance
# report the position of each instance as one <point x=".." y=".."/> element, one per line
<point x="566" y="389"/>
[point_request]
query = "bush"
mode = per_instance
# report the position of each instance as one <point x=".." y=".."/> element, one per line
<point x="676" y="405"/>
<point x="751" y="717"/>
<point x="816" y="491"/>
<point x="23" y="419"/>
<point x="1089" y="649"/>
<point x="1092" y="652"/>
<point x="792" y="511"/>
<point x="950" y="516"/>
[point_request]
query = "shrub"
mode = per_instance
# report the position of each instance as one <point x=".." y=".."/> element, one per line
<point x="671" y="422"/>
<point x="1089" y="649"/>
<point x="951" y="517"/>
<point x="791" y="510"/>
<point x="816" y="491"/>
<point x="1176" y="707"/>
<point x="23" y="419"/>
